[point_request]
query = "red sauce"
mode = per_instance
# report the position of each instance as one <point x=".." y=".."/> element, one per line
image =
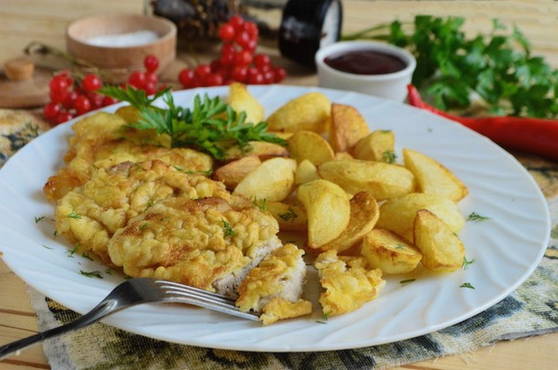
<point x="365" y="62"/>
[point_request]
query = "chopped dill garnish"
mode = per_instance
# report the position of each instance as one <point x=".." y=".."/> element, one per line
<point x="260" y="203"/>
<point x="39" y="219"/>
<point x="91" y="274"/>
<point x="227" y="229"/>
<point x="389" y="157"/>
<point x="85" y="255"/>
<point x="46" y="246"/>
<point x="190" y="172"/>
<point x="475" y="217"/>
<point x="289" y="215"/>
<point x="143" y="226"/>
<point x="467" y="285"/>
<point x="321" y="322"/>
<point x="71" y="253"/>
<point x="73" y="215"/>
<point x="466" y="263"/>
<point x="407" y="281"/>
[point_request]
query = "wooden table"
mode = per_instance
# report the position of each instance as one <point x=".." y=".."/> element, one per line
<point x="26" y="20"/>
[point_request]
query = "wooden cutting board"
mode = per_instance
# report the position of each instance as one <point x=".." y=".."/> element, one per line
<point x="22" y="85"/>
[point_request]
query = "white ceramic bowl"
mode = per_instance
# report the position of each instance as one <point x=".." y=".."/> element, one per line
<point x="390" y="85"/>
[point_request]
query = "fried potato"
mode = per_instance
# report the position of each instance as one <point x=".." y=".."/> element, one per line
<point x="347" y="127"/>
<point x="364" y="215"/>
<point x="432" y="177"/>
<point x="342" y="155"/>
<point x="374" y="146"/>
<point x="241" y="100"/>
<point x="441" y="248"/>
<point x="389" y="252"/>
<point x="291" y="217"/>
<point x="383" y="180"/>
<point x="398" y="215"/>
<point x="282" y="135"/>
<point x="328" y="210"/>
<point x="307" y="112"/>
<point x="233" y="172"/>
<point x="262" y="149"/>
<point x="306" y="172"/>
<point x="272" y="180"/>
<point x="129" y="113"/>
<point x="311" y="146"/>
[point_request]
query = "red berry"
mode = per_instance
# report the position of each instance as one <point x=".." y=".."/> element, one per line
<point x="213" y="79"/>
<point x="58" y="96"/>
<point x="137" y="79"/>
<point x="252" y="45"/>
<point x="151" y="63"/>
<point x="252" y="29"/>
<point x="95" y="99"/>
<point x="226" y="32"/>
<point x="69" y="99"/>
<point x="91" y="82"/>
<point x="215" y="66"/>
<point x="243" y="39"/>
<point x="279" y="73"/>
<point x="58" y="84"/>
<point x="239" y="73"/>
<point x="109" y="100"/>
<point x="243" y="58"/>
<point x="202" y="70"/>
<point x="261" y="60"/>
<point x="63" y="117"/>
<point x="186" y="77"/>
<point x="268" y="76"/>
<point x="227" y="54"/>
<point x="151" y="77"/>
<point x="254" y="76"/>
<point x="237" y="22"/>
<point x="82" y="105"/>
<point x="150" y="88"/>
<point x="51" y="110"/>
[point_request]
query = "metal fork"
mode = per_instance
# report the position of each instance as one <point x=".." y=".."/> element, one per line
<point x="131" y="293"/>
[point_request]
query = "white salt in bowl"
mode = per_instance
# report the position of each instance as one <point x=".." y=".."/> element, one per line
<point x="80" y="35"/>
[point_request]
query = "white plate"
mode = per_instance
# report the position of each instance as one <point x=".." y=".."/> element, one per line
<point x="506" y="249"/>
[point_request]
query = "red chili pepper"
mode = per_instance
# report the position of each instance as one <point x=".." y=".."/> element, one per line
<point x="530" y="135"/>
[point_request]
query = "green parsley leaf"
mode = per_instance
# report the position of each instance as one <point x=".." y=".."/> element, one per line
<point x="467" y="285"/>
<point x="389" y="157"/>
<point x="289" y="215"/>
<point x="91" y="274"/>
<point x="39" y="219"/>
<point x="475" y="217"/>
<point x="73" y="215"/>
<point x="466" y="263"/>
<point x="227" y="229"/>
<point x="407" y="281"/>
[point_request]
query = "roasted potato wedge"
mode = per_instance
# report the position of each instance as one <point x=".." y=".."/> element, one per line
<point x="262" y="149"/>
<point x="311" y="146"/>
<point x="291" y="217"/>
<point x="307" y="112"/>
<point x="398" y="215"/>
<point x="233" y="172"/>
<point x="342" y="155"/>
<point x="364" y="215"/>
<point x="272" y="180"/>
<point x="378" y="146"/>
<point x="432" y="177"/>
<point x="282" y="135"/>
<point x="441" y="248"/>
<point x="306" y="172"/>
<point x="241" y="100"/>
<point x="383" y="180"/>
<point x="347" y="127"/>
<point x="389" y="252"/>
<point x="129" y="113"/>
<point x="328" y="210"/>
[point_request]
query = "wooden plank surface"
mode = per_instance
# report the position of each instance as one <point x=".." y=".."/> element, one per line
<point x="27" y="20"/>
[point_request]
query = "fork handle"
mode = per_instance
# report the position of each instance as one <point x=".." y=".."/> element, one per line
<point x="98" y="312"/>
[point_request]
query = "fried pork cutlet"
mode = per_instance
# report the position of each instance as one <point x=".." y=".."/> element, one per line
<point x="347" y="283"/>
<point x="102" y="141"/>
<point x="274" y="287"/>
<point x="194" y="242"/>
<point x="90" y="214"/>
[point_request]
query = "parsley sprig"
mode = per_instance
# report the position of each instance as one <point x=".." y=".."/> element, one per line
<point x="211" y="125"/>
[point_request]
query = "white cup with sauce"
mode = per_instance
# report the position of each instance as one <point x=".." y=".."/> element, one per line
<point x="388" y="85"/>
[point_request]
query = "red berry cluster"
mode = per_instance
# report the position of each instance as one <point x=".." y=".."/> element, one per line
<point x="237" y="61"/>
<point x="69" y="99"/>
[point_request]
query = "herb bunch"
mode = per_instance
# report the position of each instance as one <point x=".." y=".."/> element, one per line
<point x="211" y="125"/>
<point x="452" y="68"/>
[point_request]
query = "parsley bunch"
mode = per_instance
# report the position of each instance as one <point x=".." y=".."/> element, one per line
<point x="452" y="68"/>
<point x="211" y="125"/>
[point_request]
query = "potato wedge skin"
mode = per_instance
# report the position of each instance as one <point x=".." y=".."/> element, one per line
<point x="364" y="215"/>
<point x="328" y="210"/>
<point x="233" y="172"/>
<point x="373" y="146"/>
<point x="398" y="215"/>
<point x="306" y="172"/>
<point x="389" y="252"/>
<point x="262" y="149"/>
<point x="291" y="217"/>
<point x="347" y="127"/>
<point x="241" y="100"/>
<point x="432" y="177"/>
<point x="311" y="146"/>
<point x="383" y="180"/>
<point x="272" y="180"/>
<point x="307" y="112"/>
<point x="441" y="248"/>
